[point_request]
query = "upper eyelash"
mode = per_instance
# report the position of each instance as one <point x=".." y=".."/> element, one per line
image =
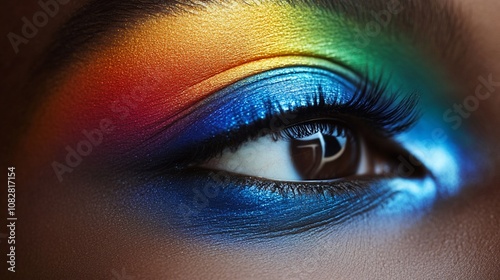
<point x="387" y="116"/>
<point x="305" y="129"/>
<point x="391" y="115"/>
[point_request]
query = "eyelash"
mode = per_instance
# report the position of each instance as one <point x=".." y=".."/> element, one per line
<point x="305" y="129"/>
<point x="354" y="187"/>
<point x="314" y="205"/>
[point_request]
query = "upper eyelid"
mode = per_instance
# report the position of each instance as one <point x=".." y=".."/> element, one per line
<point x="208" y="88"/>
<point x="181" y="107"/>
<point x="193" y="123"/>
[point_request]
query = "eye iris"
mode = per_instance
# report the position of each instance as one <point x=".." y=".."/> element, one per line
<point x="324" y="151"/>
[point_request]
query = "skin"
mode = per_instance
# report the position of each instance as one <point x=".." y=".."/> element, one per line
<point x="458" y="238"/>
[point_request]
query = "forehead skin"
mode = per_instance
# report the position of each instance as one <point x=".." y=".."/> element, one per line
<point x="466" y="233"/>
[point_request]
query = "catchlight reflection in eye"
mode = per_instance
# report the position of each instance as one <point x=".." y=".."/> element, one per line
<point x="326" y="141"/>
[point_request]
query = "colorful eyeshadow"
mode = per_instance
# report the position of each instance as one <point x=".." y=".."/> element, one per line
<point x="160" y="68"/>
<point x="162" y="88"/>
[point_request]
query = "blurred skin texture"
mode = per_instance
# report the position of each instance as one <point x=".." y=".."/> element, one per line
<point x="109" y="219"/>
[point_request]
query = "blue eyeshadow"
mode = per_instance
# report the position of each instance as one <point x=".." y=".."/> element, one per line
<point x="249" y="100"/>
<point x="211" y="206"/>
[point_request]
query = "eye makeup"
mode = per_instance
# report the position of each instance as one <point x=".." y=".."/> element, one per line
<point x="219" y="206"/>
<point x="177" y="90"/>
<point x="246" y="207"/>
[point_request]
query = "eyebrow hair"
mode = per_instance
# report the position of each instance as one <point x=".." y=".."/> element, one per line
<point x="437" y="26"/>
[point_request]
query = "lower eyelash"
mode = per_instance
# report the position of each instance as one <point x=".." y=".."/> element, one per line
<point x="332" y="188"/>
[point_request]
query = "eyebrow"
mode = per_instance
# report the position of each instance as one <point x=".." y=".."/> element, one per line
<point x="436" y="26"/>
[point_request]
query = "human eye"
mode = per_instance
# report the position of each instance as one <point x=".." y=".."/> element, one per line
<point x="253" y="139"/>
<point x="344" y="132"/>
<point x="242" y="145"/>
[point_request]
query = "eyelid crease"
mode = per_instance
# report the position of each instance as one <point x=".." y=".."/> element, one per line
<point x="228" y="77"/>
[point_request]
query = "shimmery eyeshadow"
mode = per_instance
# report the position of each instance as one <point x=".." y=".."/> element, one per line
<point x="160" y="72"/>
<point x="245" y="102"/>
<point x="211" y="206"/>
<point x="202" y="204"/>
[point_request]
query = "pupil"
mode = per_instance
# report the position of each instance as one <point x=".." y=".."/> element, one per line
<point x="332" y="145"/>
<point x="322" y="156"/>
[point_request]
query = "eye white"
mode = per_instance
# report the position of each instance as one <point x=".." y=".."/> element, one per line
<point x="263" y="157"/>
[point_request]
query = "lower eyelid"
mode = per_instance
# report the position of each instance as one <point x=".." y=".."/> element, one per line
<point x="215" y="205"/>
<point x="202" y="204"/>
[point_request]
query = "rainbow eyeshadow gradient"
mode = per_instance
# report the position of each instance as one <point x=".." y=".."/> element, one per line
<point x="164" y="66"/>
<point x="151" y="86"/>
